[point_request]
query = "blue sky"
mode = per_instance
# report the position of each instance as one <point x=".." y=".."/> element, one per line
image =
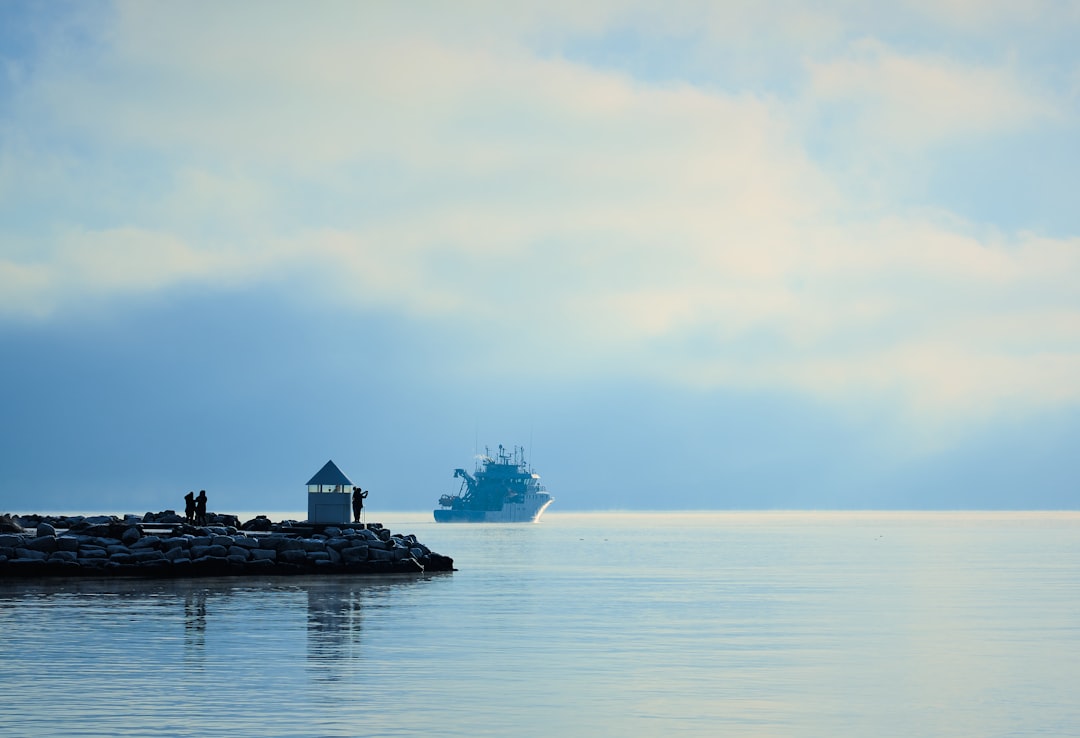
<point x="713" y="255"/>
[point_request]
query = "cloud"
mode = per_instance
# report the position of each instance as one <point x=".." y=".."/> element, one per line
<point x="912" y="101"/>
<point x="677" y="231"/>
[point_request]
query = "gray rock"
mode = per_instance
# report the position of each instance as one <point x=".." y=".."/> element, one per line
<point x="272" y="543"/>
<point x="9" y="524"/>
<point x="198" y="550"/>
<point x="30" y="554"/>
<point x="146" y="542"/>
<point x="260" y="565"/>
<point x="67" y="543"/>
<point x="63" y="556"/>
<point x="239" y="551"/>
<point x="45" y="529"/>
<point x="131" y="535"/>
<point x="42" y="543"/>
<point x="292" y="556"/>
<point x="409" y="564"/>
<point x="90" y="552"/>
<point x="355" y="554"/>
<point x="10" y="540"/>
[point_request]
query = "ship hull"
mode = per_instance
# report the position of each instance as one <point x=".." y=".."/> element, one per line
<point x="512" y="512"/>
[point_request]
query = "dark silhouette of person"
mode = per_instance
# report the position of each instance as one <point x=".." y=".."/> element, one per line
<point x="200" y="508"/>
<point x="189" y="507"/>
<point x="358" y="498"/>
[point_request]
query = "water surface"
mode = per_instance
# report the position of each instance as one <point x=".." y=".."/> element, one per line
<point x="698" y="624"/>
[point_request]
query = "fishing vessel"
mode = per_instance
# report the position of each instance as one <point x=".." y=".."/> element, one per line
<point x="502" y="489"/>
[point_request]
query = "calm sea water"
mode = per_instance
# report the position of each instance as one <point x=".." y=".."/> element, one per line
<point x="704" y="624"/>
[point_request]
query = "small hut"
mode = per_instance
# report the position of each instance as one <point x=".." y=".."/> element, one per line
<point x="329" y="496"/>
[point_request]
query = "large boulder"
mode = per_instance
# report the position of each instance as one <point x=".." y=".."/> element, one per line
<point x="355" y="554"/>
<point x="292" y="556"/>
<point x="42" y="543"/>
<point x="30" y="554"/>
<point x="259" y="523"/>
<point x="9" y="524"/>
<point x="146" y="542"/>
<point x="238" y="552"/>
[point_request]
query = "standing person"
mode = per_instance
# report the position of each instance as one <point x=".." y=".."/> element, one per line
<point x="200" y="508"/>
<point x="357" y="503"/>
<point x="189" y="507"/>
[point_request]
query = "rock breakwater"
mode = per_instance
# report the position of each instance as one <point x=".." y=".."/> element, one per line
<point x="164" y="545"/>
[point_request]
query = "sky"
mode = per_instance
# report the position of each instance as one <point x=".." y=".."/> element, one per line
<point x="691" y="255"/>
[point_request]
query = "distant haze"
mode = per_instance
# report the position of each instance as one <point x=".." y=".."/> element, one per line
<point x="698" y="255"/>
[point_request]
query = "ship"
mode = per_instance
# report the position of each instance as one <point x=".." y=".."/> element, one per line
<point x="502" y="489"/>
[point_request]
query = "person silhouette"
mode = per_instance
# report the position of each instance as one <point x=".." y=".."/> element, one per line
<point x="357" y="503"/>
<point x="189" y="507"/>
<point x="200" y="508"/>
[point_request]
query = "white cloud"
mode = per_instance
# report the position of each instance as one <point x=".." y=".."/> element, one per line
<point x="666" y="230"/>
<point x="910" y="101"/>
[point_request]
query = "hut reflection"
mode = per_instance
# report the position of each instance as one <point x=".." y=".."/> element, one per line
<point x="335" y="616"/>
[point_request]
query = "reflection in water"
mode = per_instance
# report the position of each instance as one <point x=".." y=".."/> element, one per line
<point x="334" y="621"/>
<point x="195" y="625"/>
<point x="211" y="619"/>
<point x="336" y="608"/>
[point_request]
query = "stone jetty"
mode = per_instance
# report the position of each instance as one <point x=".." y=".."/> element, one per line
<point x="164" y="545"/>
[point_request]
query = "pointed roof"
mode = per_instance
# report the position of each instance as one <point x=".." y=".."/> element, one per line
<point x="329" y="475"/>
